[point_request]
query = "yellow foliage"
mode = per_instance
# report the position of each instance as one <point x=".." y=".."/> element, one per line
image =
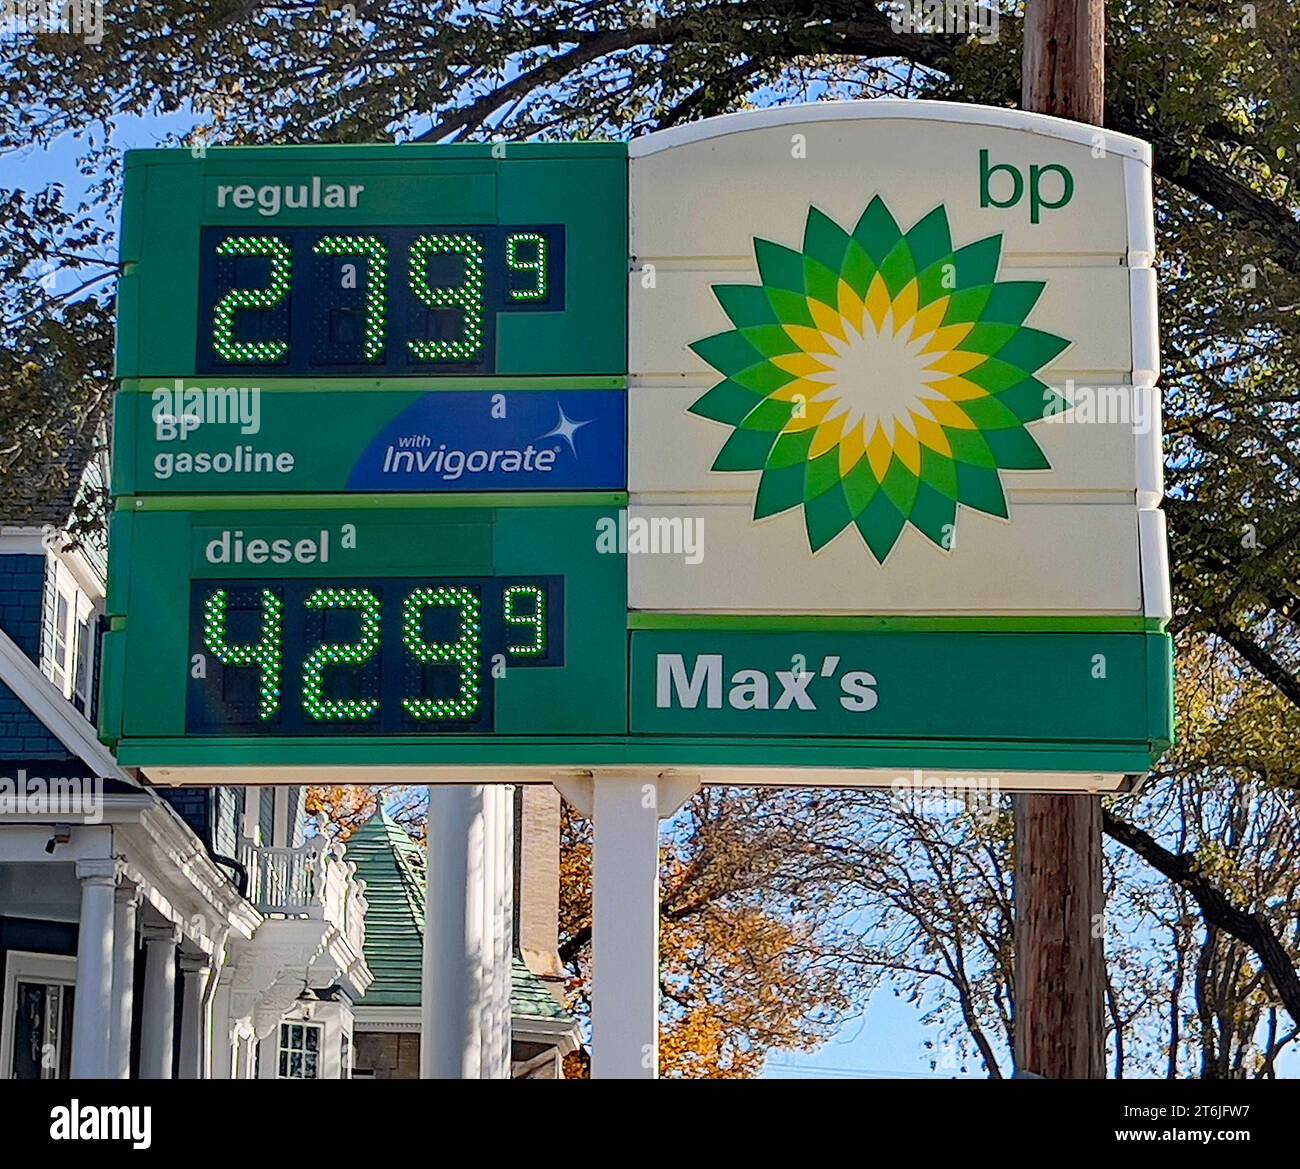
<point x="347" y="806"/>
<point x="737" y="978"/>
<point x="1232" y="719"/>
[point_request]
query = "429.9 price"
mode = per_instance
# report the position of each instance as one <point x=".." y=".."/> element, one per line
<point x="379" y="657"/>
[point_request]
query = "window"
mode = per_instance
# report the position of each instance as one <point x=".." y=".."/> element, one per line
<point x="81" y="668"/>
<point x="37" y="1032"/>
<point x="42" y="1031"/>
<point x="345" y="1056"/>
<point x="299" y="1051"/>
<point x="59" y="664"/>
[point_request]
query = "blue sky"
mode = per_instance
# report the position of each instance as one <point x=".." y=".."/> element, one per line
<point x="887" y="1042"/>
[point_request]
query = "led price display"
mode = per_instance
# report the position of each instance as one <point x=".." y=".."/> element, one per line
<point x="364" y="657"/>
<point x="383" y="301"/>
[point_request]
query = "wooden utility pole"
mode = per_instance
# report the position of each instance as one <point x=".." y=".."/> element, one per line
<point x="1060" y="966"/>
<point x="1064" y="70"/>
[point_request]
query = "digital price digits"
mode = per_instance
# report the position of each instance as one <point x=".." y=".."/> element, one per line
<point x="381" y="657"/>
<point x="383" y="301"/>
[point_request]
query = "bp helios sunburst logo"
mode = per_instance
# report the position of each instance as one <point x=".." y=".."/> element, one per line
<point x="879" y="378"/>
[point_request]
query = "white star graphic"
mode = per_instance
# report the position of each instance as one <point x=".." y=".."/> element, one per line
<point x="566" y="428"/>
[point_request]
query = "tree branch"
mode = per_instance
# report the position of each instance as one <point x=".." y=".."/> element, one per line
<point x="1263" y="661"/>
<point x="1251" y="929"/>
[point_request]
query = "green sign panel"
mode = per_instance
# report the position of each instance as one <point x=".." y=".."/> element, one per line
<point x="901" y="685"/>
<point x="392" y="261"/>
<point x="205" y="436"/>
<point x="363" y="622"/>
<point x="372" y="409"/>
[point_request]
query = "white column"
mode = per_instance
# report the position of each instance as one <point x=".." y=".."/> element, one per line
<point x="488" y="1020"/>
<point x="159" y="1005"/>
<point x="506" y="883"/>
<point x="497" y="898"/>
<point x="125" y="903"/>
<point x="625" y="806"/>
<point x="451" y="1006"/>
<point x="625" y="926"/>
<point x="221" y="1050"/>
<point x="194" y="1016"/>
<point x="497" y="931"/>
<point x="243" y="1050"/>
<point x="93" y="1002"/>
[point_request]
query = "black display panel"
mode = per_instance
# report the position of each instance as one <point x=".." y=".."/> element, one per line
<point x="381" y="301"/>
<point x="364" y="657"/>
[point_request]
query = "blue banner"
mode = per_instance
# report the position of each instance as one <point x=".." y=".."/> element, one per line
<point x="519" y="440"/>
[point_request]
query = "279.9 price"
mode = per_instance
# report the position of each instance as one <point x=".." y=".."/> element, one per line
<point x="382" y="300"/>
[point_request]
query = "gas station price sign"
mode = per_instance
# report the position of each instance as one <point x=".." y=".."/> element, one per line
<point x="427" y="346"/>
<point x="488" y="395"/>
<point x="364" y="656"/>
<point x="385" y="301"/>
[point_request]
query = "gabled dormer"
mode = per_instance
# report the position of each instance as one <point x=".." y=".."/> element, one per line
<point x="52" y="584"/>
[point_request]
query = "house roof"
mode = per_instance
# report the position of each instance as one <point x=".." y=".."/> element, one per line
<point x="529" y="998"/>
<point x="49" y="498"/>
<point x="63" y="720"/>
<point x="392" y="866"/>
<point x="68" y="493"/>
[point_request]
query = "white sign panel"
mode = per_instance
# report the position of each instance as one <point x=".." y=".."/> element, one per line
<point x="893" y="358"/>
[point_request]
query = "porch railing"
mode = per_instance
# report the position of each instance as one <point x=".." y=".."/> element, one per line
<point x="311" y="880"/>
<point x="281" y="880"/>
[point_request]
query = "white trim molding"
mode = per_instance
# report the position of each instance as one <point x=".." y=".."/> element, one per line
<point x="775" y="775"/>
<point x="61" y="718"/>
<point x="563" y="1033"/>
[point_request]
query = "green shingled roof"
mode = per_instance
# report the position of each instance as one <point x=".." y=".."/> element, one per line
<point x="529" y="998"/>
<point x="392" y="866"/>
